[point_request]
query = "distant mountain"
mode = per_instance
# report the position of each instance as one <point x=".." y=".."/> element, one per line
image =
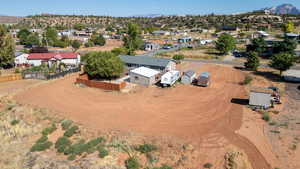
<point x="284" y="9"/>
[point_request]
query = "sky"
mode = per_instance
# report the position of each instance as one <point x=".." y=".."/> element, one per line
<point x="135" y="7"/>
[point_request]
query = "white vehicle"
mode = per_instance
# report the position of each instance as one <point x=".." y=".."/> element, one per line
<point x="169" y="78"/>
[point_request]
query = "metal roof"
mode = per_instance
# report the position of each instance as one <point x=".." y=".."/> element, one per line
<point x="145" y="61"/>
<point x="205" y="74"/>
<point x="147" y="72"/>
<point x="189" y="73"/>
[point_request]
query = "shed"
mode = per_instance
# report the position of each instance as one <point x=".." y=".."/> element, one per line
<point x="261" y="97"/>
<point x="188" y="77"/>
<point x="144" y="76"/>
<point x="151" y="46"/>
<point x="204" y="79"/>
<point x="292" y="75"/>
<point x="169" y="78"/>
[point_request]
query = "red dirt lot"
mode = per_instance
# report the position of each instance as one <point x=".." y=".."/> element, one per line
<point x="189" y="112"/>
<point x="12" y="86"/>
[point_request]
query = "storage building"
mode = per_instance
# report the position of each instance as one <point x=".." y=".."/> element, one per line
<point x="144" y="76"/>
<point x="261" y="97"/>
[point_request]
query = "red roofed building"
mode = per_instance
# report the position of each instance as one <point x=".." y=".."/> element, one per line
<point x="69" y="58"/>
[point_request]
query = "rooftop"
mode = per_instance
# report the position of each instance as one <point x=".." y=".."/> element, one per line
<point x="145" y="60"/>
<point x="147" y="72"/>
<point x="189" y="73"/>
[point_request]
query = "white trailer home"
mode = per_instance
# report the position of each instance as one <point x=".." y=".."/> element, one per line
<point x="188" y="77"/>
<point x="169" y="78"/>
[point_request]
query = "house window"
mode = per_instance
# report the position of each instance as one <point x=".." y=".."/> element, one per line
<point x="136" y="78"/>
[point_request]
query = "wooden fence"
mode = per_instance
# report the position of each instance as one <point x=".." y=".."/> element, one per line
<point x="12" y="77"/>
<point x="106" y="85"/>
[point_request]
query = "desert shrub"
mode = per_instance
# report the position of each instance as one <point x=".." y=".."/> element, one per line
<point x="71" y="131"/>
<point x="178" y="57"/>
<point x="248" y="79"/>
<point x="17" y="70"/>
<point x="164" y="167"/>
<point x="273" y="123"/>
<point x="77" y="149"/>
<point x="41" y="146"/>
<point x="72" y="157"/>
<point x="66" y="124"/>
<point x="14" y="122"/>
<point x="62" y="144"/>
<point x="132" y="163"/>
<point x="146" y="148"/>
<point x="49" y="130"/>
<point x="43" y="139"/>
<point x="102" y="151"/>
<point x="207" y="165"/>
<point x="266" y="116"/>
<point x="92" y="144"/>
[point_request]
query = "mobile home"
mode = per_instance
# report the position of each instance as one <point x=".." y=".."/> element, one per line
<point x="188" y="77"/>
<point x="169" y="78"/>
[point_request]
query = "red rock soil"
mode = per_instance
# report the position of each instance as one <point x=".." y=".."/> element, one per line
<point x="205" y="116"/>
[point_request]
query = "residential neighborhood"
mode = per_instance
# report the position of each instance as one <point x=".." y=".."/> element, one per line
<point x="99" y="86"/>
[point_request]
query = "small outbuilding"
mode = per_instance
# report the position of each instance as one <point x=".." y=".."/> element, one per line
<point x="169" y="78"/>
<point x="144" y="76"/>
<point x="261" y="97"/>
<point x="151" y="46"/>
<point x="188" y="77"/>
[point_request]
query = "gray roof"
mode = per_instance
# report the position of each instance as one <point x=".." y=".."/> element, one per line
<point x="145" y="60"/>
<point x="189" y="73"/>
<point x="18" y="54"/>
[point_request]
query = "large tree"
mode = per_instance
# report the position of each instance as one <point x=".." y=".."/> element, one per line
<point x="252" y="61"/>
<point x="282" y="61"/>
<point x="288" y="46"/>
<point x="76" y="44"/>
<point x="133" y="40"/>
<point x="225" y="43"/>
<point x="23" y="35"/>
<point x="288" y="27"/>
<point x="7" y="48"/>
<point x="101" y="65"/>
<point x="98" y="39"/>
<point x="257" y="45"/>
<point x="50" y="36"/>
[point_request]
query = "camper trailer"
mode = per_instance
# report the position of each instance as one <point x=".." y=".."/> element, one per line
<point x="204" y="79"/>
<point x="169" y="78"/>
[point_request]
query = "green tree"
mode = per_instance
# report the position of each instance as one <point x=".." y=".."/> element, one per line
<point x="33" y="39"/>
<point x="282" y="61"/>
<point x="288" y="27"/>
<point x="258" y="45"/>
<point x="119" y="51"/>
<point x="133" y="40"/>
<point x="50" y="36"/>
<point x="22" y="35"/>
<point x="286" y="46"/>
<point x="103" y="65"/>
<point x="76" y="44"/>
<point x="79" y="27"/>
<point x="98" y="39"/>
<point x="225" y="43"/>
<point x="252" y="61"/>
<point x="7" y="48"/>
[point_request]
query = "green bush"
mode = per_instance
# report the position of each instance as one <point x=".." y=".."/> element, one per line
<point x="77" y="149"/>
<point x="178" y="57"/>
<point x="266" y="116"/>
<point x="66" y="124"/>
<point x="207" y="165"/>
<point x="17" y="70"/>
<point x="132" y="163"/>
<point x="146" y="148"/>
<point x="49" y="130"/>
<point x="62" y="144"/>
<point x="43" y="139"/>
<point x="102" y="151"/>
<point x="92" y="144"/>
<point x="248" y="79"/>
<point x="14" y="122"/>
<point x="72" y="157"/>
<point x="71" y="131"/>
<point x="41" y="146"/>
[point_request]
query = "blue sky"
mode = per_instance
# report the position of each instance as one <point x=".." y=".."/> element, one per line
<point x="134" y="7"/>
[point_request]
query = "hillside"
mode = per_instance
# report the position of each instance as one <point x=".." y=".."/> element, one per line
<point x="9" y="19"/>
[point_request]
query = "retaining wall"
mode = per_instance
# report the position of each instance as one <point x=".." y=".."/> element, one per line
<point x="7" y="78"/>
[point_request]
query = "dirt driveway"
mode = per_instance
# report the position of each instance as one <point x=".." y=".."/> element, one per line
<point x="188" y="112"/>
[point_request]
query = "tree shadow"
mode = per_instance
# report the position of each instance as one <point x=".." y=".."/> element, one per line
<point x="269" y="75"/>
<point x="240" y="101"/>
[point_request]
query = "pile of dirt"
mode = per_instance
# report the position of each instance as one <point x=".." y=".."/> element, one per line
<point x="236" y="159"/>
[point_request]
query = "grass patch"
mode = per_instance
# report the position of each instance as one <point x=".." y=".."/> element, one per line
<point x="248" y="79"/>
<point x="266" y="116"/>
<point x="273" y="123"/>
<point x="146" y="148"/>
<point x="207" y="165"/>
<point x="66" y="124"/>
<point x="62" y="144"/>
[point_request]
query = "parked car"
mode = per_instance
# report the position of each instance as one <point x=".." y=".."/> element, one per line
<point x="204" y="79"/>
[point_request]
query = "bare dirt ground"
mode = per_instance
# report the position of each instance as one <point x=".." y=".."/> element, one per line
<point x="12" y="86"/>
<point x="205" y="116"/>
<point x="110" y="45"/>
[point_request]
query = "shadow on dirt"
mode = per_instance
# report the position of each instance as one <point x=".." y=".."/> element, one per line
<point x="240" y="101"/>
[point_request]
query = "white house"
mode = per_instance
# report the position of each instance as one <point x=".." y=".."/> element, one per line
<point x="69" y="58"/>
<point x="169" y="78"/>
<point x="21" y="59"/>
